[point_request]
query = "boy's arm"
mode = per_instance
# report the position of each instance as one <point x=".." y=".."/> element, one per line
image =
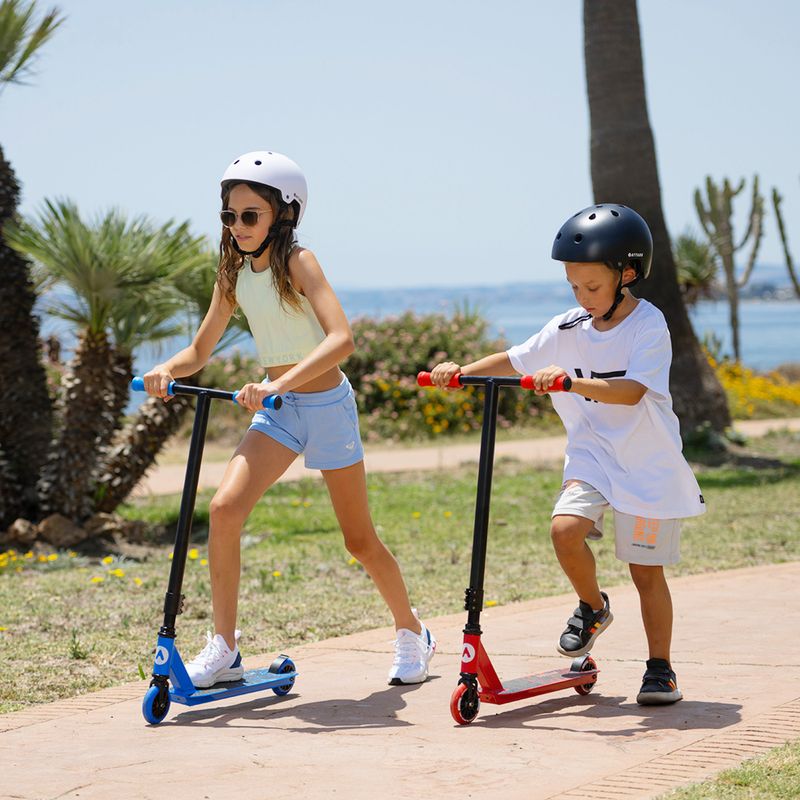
<point x="617" y="391"/>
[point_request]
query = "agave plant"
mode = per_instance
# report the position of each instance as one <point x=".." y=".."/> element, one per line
<point x="697" y="268"/>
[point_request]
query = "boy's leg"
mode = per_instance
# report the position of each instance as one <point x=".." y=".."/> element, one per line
<point x="656" y="605"/>
<point x="568" y="534"/>
<point x="593" y="614"/>
<point x="659" y="684"/>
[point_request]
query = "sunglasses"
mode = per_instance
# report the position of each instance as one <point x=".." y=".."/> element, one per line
<point x="249" y="218"/>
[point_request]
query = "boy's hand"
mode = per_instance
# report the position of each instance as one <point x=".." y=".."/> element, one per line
<point x="157" y="381"/>
<point x="442" y="373"/>
<point x="251" y="395"/>
<point x="543" y="379"/>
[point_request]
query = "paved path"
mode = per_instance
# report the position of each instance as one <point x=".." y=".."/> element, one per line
<point x="168" y="479"/>
<point x="344" y="734"/>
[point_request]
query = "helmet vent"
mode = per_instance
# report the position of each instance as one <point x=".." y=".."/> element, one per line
<point x="558" y="235"/>
<point x="614" y="213"/>
<point x="258" y="163"/>
<point x="237" y="161"/>
<point x="578" y="237"/>
<point x="592" y="216"/>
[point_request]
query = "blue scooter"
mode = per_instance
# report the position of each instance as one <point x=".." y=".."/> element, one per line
<point x="170" y="680"/>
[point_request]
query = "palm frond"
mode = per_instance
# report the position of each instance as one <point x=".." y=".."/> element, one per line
<point x="21" y="38"/>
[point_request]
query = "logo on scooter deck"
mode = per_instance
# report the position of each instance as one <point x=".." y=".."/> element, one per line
<point x="468" y="654"/>
<point x="162" y="655"/>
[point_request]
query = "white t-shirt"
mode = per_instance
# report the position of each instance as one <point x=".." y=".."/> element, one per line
<point x="630" y="454"/>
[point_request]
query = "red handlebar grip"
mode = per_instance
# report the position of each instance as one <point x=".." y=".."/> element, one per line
<point x="424" y="379"/>
<point x="563" y="383"/>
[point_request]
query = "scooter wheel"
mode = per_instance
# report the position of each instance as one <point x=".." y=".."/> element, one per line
<point x="155" y="704"/>
<point x="280" y="666"/>
<point x="465" y="703"/>
<point x="584" y="665"/>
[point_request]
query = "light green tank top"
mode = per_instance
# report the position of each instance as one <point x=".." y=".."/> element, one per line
<point x="282" y="334"/>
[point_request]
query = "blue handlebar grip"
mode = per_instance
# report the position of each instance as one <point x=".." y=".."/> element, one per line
<point x="137" y="384"/>
<point x="272" y="401"/>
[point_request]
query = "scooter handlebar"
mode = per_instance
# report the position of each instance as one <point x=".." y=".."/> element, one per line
<point x="273" y="401"/>
<point x="563" y="383"/>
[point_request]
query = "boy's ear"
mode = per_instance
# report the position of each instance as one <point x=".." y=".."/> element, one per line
<point x="628" y="274"/>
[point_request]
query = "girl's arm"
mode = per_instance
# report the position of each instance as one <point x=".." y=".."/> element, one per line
<point x="308" y="278"/>
<point x="196" y="355"/>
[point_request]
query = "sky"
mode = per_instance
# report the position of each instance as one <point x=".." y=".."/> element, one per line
<point x="444" y="142"/>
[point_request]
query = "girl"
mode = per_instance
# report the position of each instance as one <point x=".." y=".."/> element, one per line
<point x="301" y="335"/>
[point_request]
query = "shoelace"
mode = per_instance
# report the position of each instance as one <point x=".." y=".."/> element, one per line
<point x="406" y="650"/>
<point x="209" y="653"/>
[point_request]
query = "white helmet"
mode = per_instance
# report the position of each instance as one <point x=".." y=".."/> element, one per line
<point x="271" y="169"/>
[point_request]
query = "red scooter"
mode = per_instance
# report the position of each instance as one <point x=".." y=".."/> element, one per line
<point x="478" y="680"/>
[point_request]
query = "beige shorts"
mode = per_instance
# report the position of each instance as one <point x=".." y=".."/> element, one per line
<point x="638" y="540"/>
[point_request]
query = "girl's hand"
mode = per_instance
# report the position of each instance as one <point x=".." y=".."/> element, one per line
<point x="251" y="395"/>
<point x="543" y="379"/>
<point x="442" y="373"/>
<point x="157" y="381"/>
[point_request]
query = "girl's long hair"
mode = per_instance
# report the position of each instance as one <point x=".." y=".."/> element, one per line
<point x="231" y="261"/>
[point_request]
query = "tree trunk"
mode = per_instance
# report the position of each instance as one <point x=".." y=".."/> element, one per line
<point x="87" y="424"/>
<point x="25" y="408"/>
<point x="624" y="170"/>
<point x="139" y="444"/>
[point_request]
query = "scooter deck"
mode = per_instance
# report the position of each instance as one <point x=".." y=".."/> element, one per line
<point x="253" y="680"/>
<point x="541" y="683"/>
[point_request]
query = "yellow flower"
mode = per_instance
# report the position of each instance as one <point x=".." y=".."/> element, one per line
<point x="42" y="557"/>
<point x="448" y="514"/>
<point x="3" y="629"/>
<point x="117" y="573"/>
<point x="193" y="554"/>
<point x="29" y="554"/>
<point x="306" y="503"/>
<point x="108" y="559"/>
<point x="295" y="502"/>
<point x="276" y="573"/>
<point x="416" y="514"/>
<point x="170" y="556"/>
<point x="72" y="554"/>
<point x="490" y="603"/>
<point x="137" y="581"/>
<point x="203" y="562"/>
<point x="353" y="561"/>
<point x="52" y="557"/>
<point x="97" y="579"/>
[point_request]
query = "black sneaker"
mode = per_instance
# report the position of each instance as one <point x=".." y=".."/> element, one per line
<point x="584" y="626"/>
<point x="659" y="685"/>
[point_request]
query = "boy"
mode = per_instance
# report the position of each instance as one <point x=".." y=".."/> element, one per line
<point x="623" y="441"/>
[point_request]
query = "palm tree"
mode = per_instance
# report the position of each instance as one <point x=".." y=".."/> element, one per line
<point x="25" y="412"/>
<point x="113" y="272"/>
<point x="155" y="421"/>
<point x="697" y="268"/>
<point x="624" y="170"/>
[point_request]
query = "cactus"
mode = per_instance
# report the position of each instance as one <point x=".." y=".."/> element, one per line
<point x="715" y="217"/>
<point x="776" y="202"/>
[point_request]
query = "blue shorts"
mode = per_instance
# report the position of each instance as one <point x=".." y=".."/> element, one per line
<point x="323" y="425"/>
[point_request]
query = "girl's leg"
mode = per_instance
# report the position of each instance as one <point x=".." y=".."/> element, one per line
<point x="656" y="605"/>
<point x="568" y="534"/>
<point x="348" y="491"/>
<point x="257" y="463"/>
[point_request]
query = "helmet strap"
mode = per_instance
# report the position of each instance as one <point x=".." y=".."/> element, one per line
<point x="620" y="297"/>
<point x="274" y="230"/>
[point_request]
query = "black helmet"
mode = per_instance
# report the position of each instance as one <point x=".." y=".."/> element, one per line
<point x="609" y="233"/>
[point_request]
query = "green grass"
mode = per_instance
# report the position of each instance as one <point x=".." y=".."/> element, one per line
<point x="66" y="632"/>
<point x="773" y="776"/>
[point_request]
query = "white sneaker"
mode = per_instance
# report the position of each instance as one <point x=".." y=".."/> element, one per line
<point x="412" y="655"/>
<point x="216" y="663"/>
